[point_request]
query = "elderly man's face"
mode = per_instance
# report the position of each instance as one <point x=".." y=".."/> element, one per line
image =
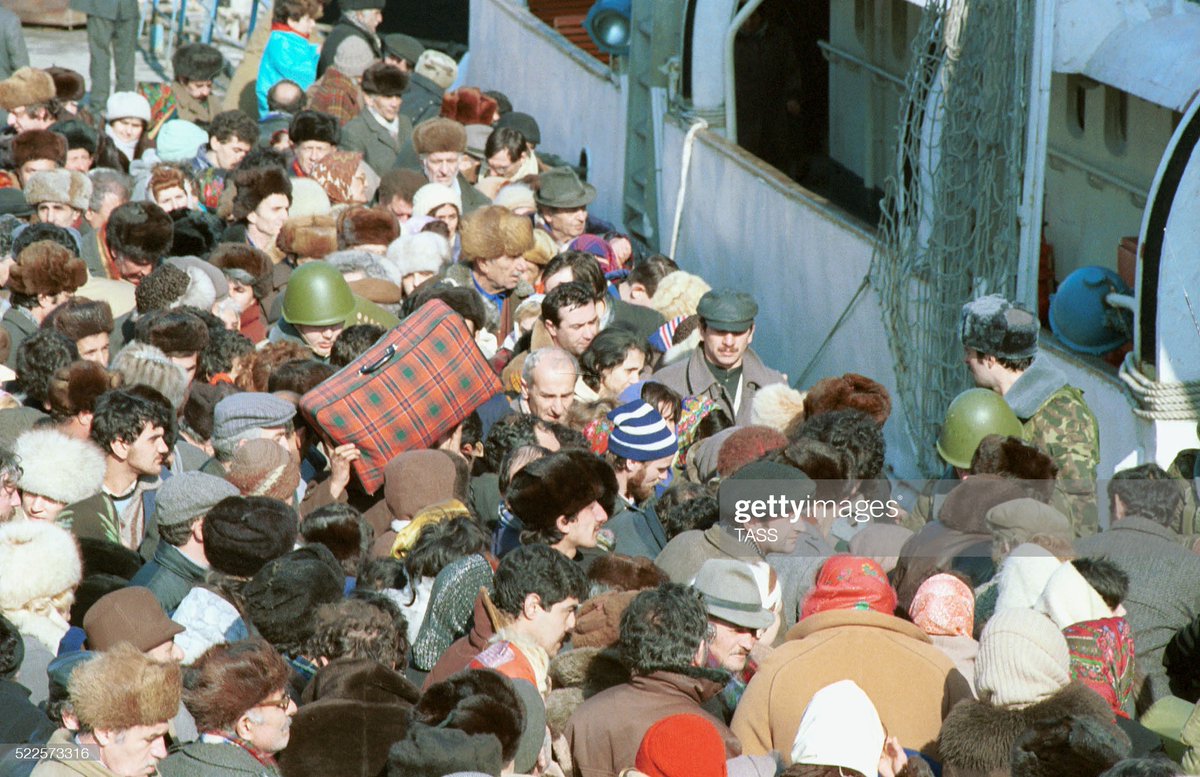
<point x="267" y="725"/>
<point x="500" y="274"/>
<point x="130" y="270"/>
<point x="565" y="223"/>
<point x="22" y="119"/>
<point x="731" y="644"/>
<point x="551" y="392"/>
<point x="133" y="752"/>
<point x="441" y="166"/>
<point x="309" y="152"/>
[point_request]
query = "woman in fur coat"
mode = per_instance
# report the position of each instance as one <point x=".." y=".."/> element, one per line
<point x="1022" y="678"/>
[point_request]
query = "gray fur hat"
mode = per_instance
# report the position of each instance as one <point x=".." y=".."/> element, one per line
<point x="994" y="326"/>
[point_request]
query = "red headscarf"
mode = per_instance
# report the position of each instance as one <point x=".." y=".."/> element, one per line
<point x="851" y="583"/>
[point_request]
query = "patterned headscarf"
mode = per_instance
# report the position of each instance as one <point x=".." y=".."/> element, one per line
<point x="596" y="432"/>
<point x="851" y="583"/>
<point x="693" y="412"/>
<point x="1102" y="658"/>
<point x="335" y="172"/>
<point x="944" y="606"/>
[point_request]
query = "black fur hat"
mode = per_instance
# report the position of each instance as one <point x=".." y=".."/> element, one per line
<point x="141" y="231"/>
<point x="255" y="185"/>
<point x="384" y="80"/>
<point x="173" y="331"/>
<point x="314" y="125"/>
<point x="560" y="484"/>
<point x="196" y="233"/>
<point x="1082" y="746"/>
<point x="78" y="135"/>
<point x="197" y="62"/>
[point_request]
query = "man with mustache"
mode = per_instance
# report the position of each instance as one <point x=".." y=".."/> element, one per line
<point x="723" y="368"/>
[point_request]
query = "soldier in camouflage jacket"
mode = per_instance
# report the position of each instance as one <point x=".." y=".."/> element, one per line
<point x="1000" y="344"/>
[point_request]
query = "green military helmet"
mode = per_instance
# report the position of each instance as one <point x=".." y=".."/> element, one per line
<point x="973" y="415"/>
<point x="317" y="295"/>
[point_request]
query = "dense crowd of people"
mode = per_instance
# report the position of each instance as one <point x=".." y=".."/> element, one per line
<point x="645" y="554"/>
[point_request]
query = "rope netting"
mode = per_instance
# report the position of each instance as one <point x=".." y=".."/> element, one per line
<point x="949" y="229"/>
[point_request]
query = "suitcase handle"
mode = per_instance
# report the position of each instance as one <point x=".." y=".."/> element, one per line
<point x="388" y="353"/>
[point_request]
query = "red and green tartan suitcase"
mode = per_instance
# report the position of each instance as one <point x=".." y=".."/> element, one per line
<point x="405" y="392"/>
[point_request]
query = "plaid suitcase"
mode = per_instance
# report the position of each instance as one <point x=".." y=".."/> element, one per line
<point x="410" y="388"/>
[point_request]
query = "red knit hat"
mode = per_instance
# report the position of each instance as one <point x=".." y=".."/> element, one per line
<point x="682" y="746"/>
<point x="851" y="583"/>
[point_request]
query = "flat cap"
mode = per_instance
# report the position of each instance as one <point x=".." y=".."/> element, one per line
<point x="403" y="47"/>
<point x="250" y="410"/>
<point x="994" y="326"/>
<point x="728" y="310"/>
<point x="189" y="495"/>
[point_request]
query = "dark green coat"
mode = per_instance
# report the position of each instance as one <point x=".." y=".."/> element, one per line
<point x="364" y="133"/>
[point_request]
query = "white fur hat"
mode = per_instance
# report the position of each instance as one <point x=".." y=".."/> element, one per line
<point x="422" y="252"/>
<point x="432" y="196"/>
<point x="59" y="467"/>
<point x="69" y="187"/>
<point x="40" y="560"/>
<point x="777" y="406"/>
<point x="127" y="105"/>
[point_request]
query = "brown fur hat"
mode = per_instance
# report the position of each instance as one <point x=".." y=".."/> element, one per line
<point x="468" y="105"/>
<point x="438" y="135"/>
<point x="598" y="624"/>
<point x="626" y="573"/>
<point x="495" y="231"/>
<point x="245" y="264"/>
<point x="39" y="144"/>
<point x="27" y="86"/>
<point x="384" y="80"/>
<point x="173" y="331"/>
<point x="255" y="185"/>
<point x="122" y="688"/>
<point x="68" y="85"/>
<point x="366" y="226"/>
<point x="849" y="392"/>
<point x="309" y="237"/>
<point x="1012" y="457"/>
<point x="141" y="231"/>
<point x="45" y="267"/>
<point x="74" y="388"/>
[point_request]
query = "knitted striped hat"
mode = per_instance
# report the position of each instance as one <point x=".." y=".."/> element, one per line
<point x="639" y="433"/>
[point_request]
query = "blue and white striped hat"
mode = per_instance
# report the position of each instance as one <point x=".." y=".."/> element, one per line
<point x="639" y="433"/>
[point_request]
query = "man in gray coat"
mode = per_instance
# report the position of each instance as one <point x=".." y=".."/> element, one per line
<point x="723" y="367"/>
<point x="13" y="54"/>
<point x="1146" y="505"/>
<point x="379" y="131"/>
<point x="112" y="26"/>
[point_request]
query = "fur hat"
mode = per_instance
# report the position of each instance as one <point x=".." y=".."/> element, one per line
<point x="384" y="80"/>
<point x="141" y="231"/>
<point x="196" y="233"/>
<point x="308" y="199"/>
<point x="1080" y="745"/>
<point x="27" y="86"/>
<point x="243" y="533"/>
<point x="366" y="226"/>
<point x="45" y="267"/>
<point x="197" y="62"/>
<point x="161" y="289"/>
<point x="848" y="392"/>
<point x="469" y="105"/>
<point x="69" y="187"/>
<point x="255" y="185"/>
<point x="314" y="125"/>
<point x="127" y="105"/>
<point x="245" y="264"/>
<point x="560" y="484"/>
<point x="282" y="598"/>
<point x="68" y="84"/>
<point x="423" y="252"/>
<point x="123" y="688"/>
<point x="439" y="135"/>
<point x="78" y="135"/>
<point x="747" y="444"/>
<point x="174" y="331"/>
<point x="435" y="751"/>
<point x="74" y="388"/>
<point x="994" y="326"/>
<point x="625" y="573"/>
<point x="39" y="144"/>
<point x="777" y="406"/>
<point x="40" y="561"/>
<point x="598" y="624"/>
<point x="679" y="294"/>
<point x="438" y="67"/>
<point x="309" y="237"/>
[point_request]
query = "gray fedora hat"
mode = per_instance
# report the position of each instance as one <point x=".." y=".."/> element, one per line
<point x="561" y="188"/>
<point x="730" y="592"/>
